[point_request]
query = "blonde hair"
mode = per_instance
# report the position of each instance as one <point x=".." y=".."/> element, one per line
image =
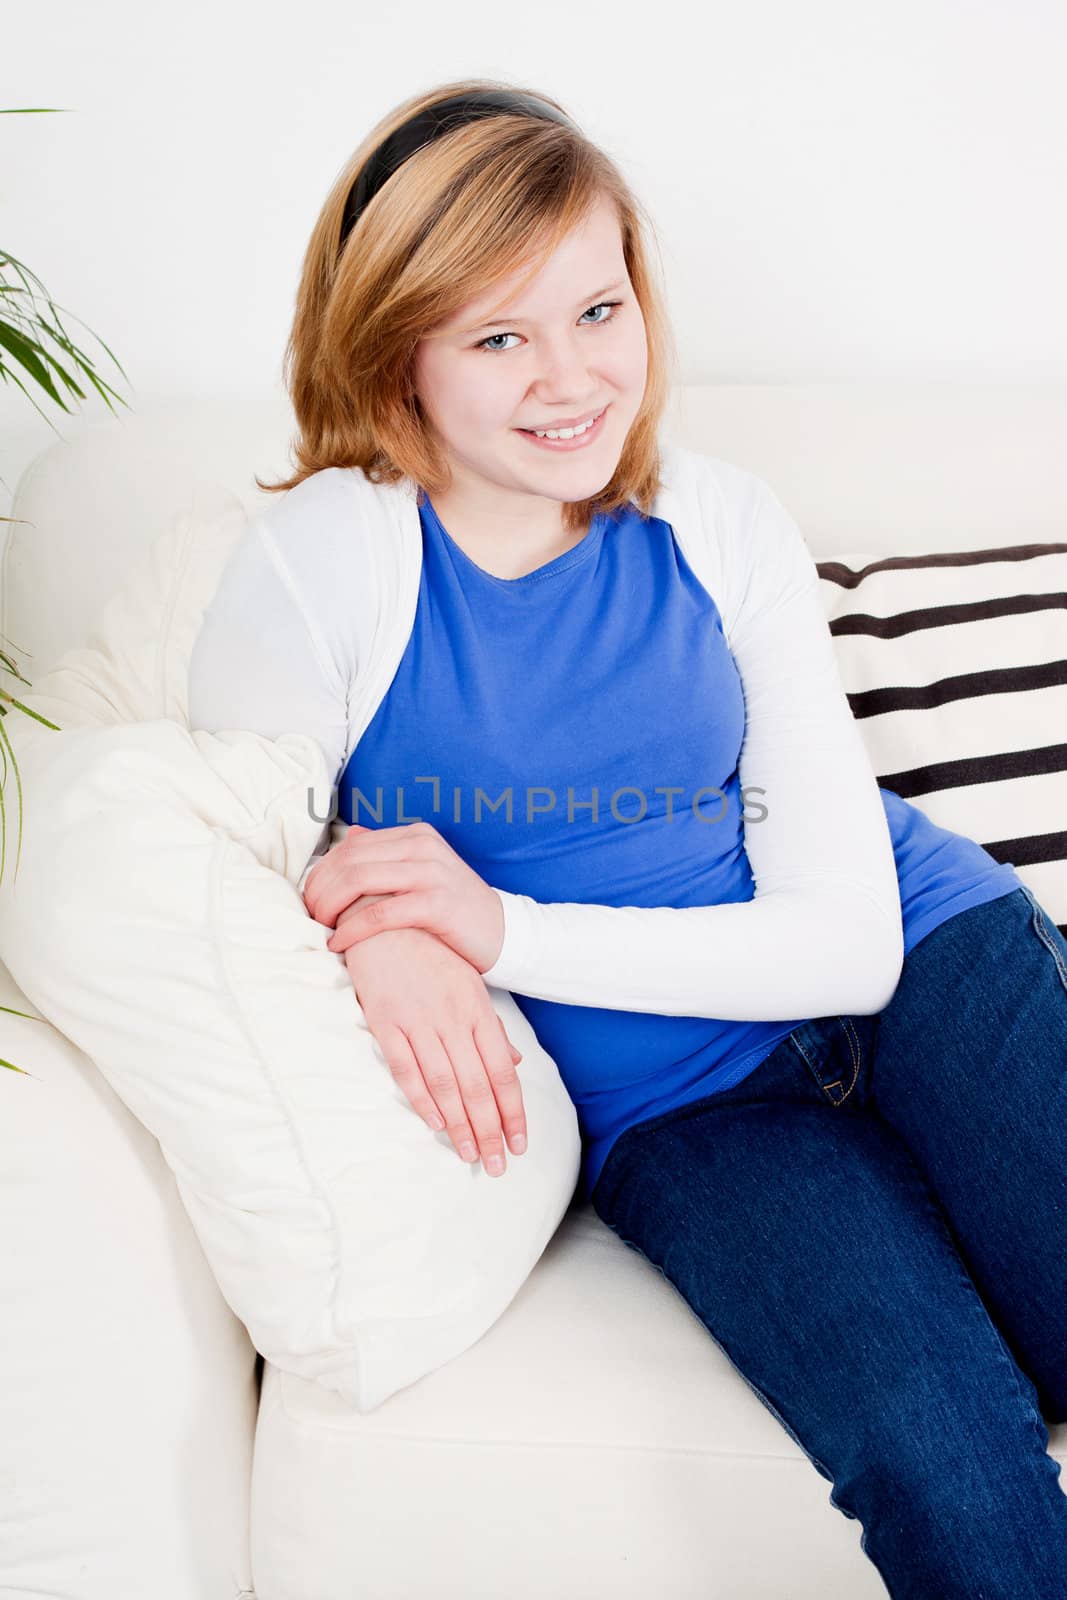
<point x="456" y="218"/>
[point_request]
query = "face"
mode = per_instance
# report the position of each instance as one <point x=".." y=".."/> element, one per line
<point x="561" y="352"/>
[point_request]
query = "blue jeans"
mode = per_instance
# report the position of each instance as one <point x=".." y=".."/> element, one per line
<point x="872" y="1226"/>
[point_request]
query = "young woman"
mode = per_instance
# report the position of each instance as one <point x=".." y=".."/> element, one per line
<point x="817" y="1045"/>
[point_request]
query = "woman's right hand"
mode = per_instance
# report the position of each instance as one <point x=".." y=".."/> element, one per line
<point x="430" y="1011"/>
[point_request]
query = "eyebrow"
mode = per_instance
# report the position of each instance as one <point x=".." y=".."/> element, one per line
<point x="507" y="322"/>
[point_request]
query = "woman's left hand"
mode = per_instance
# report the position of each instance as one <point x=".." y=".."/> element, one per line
<point x="428" y="886"/>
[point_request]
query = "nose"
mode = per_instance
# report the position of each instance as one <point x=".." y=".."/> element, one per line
<point x="565" y="379"/>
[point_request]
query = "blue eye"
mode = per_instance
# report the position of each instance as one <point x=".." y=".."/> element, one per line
<point x="487" y="344"/>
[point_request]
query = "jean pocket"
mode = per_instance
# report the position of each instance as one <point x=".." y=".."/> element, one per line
<point x="832" y="1052"/>
<point x="1049" y="934"/>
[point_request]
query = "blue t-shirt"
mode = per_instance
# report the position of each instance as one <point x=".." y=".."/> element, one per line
<point x="591" y="694"/>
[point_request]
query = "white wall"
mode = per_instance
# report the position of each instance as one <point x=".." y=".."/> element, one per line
<point x="841" y="190"/>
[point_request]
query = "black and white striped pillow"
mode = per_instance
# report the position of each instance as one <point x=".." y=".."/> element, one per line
<point x="955" y="666"/>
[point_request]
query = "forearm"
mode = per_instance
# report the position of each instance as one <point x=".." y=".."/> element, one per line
<point x="813" y="952"/>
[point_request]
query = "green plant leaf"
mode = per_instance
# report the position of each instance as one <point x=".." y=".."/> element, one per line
<point x="23" y="351"/>
<point x="29" y="712"/>
<point x="6" y="748"/>
<point x="9" y="666"/>
<point x="36" y="322"/>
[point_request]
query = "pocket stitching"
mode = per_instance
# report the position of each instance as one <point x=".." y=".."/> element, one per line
<point x="854" y="1046"/>
<point x="1042" y="928"/>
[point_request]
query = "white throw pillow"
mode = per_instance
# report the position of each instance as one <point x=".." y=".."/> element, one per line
<point x="955" y="666"/>
<point x="155" y="919"/>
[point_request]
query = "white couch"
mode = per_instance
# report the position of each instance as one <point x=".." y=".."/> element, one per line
<point x="596" y="1441"/>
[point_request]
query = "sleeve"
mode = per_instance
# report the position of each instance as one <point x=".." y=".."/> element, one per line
<point x="823" y="933"/>
<point x="259" y="663"/>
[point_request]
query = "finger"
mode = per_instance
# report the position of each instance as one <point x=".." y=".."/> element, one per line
<point x="406" y="843"/>
<point x="323" y="900"/>
<point x="317" y="880"/>
<point x="479" y="1097"/>
<point x="493" y="1043"/>
<point x="401" y="1061"/>
<point x="399" y="911"/>
<point x="381" y="833"/>
<point x="369" y="877"/>
<point x="439" y="1076"/>
<point x="322" y="876"/>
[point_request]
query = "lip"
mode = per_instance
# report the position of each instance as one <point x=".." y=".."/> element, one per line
<point x="579" y="443"/>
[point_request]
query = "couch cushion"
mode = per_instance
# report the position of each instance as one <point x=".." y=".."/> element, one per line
<point x="129" y="1387"/>
<point x="92" y="503"/>
<point x="955" y="666"/>
<point x="598" y="1410"/>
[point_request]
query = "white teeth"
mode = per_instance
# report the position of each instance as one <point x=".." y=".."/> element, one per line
<point x="565" y="433"/>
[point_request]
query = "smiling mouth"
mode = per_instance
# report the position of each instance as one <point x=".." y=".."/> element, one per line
<point x="575" y="441"/>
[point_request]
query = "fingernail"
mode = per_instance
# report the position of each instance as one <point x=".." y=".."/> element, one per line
<point x="518" y="1143"/>
<point x="467" y="1151"/>
<point x="495" y="1165"/>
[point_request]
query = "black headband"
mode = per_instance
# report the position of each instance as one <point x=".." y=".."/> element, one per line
<point x="430" y="124"/>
